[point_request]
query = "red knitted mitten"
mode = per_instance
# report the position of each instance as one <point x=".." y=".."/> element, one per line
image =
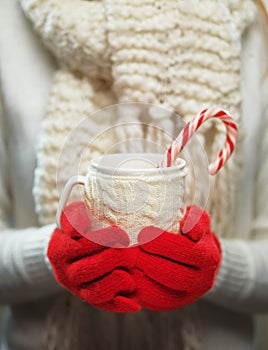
<point x="175" y="270"/>
<point x="96" y="273"/>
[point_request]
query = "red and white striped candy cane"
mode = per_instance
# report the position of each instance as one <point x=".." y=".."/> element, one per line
<point x="192" y="126"/>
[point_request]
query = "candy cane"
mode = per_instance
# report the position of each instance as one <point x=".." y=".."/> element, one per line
<point x="192" y="126"/>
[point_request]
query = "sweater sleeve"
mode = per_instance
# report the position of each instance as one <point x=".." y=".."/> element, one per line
<point x="242" y="280"/>
<point x="24" y="272"/>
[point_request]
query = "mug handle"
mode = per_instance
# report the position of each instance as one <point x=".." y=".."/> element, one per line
<point x="73" y="181"/>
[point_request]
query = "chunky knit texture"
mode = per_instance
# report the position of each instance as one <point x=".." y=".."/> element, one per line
<point x="115" y="51"/>
<point x="151" y="54"/>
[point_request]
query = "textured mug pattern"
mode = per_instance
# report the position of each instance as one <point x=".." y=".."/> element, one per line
<point x="134" y="201"/>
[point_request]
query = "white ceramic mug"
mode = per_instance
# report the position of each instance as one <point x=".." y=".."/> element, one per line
<point x="129" y="191"/>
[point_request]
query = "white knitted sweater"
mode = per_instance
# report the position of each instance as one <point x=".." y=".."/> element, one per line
<point x="155" y="60"/>
<point x="120" y="50"/>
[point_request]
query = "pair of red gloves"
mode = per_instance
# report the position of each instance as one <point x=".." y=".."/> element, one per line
<point x="165" y="273"/>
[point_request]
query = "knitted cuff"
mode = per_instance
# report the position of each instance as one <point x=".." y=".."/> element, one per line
<point x="25" y="274"/>
<point x="36" y="264"/>
<point x="235" y="278"/>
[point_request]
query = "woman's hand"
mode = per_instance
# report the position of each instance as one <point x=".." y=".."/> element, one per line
<point x="173" y="270"/>
<point x="98" y="274"/>
<point x="166" y="271"/>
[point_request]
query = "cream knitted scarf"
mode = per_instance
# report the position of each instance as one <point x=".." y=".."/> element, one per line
<point x="181" y="54"/>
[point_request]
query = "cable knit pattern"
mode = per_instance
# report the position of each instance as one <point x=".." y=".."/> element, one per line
<point x="160" y="196"/>
<point x="184" y="55"/>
